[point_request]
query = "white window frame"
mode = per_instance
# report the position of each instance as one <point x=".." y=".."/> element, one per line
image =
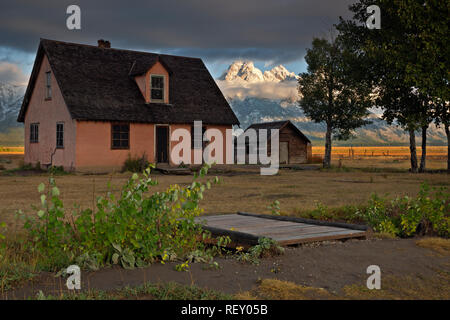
<point x="163" y="88"/>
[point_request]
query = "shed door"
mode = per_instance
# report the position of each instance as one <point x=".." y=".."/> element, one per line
<point x="162" y="144"/>
<point x="284" y="152"/>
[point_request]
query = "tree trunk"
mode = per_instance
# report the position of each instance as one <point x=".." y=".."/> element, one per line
<point x="412" y="149"/>
<point x="423" y="158"/>
<point x="327" y="157"/>
<point x="447" y="132"/>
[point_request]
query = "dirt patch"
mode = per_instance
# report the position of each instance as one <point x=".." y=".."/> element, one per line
<point x="331" y="266"/>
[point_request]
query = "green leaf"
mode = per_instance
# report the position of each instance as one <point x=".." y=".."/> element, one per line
<point x="117" y="247"/>
<point x="41" y="187"/>
<point x="55" y="191"/>
<point x="115" y="258"/>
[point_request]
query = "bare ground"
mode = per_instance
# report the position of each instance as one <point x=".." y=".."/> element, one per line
<point x="331" y="265"/>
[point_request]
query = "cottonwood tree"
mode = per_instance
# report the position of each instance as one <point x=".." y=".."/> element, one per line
<point x="430" y="71"/>
<point x="401" y="106"/>
<point x="391" y="51"/>
<point x="331" y="93"/>
<point x="443" y="119"/>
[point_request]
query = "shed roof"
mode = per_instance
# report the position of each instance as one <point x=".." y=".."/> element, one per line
<point x="277" y="125"/>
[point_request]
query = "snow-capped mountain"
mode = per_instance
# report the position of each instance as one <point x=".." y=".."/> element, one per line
<point x="245" y="71"/>
<point x="256" y="96"/>
<point x="11" y="97"/>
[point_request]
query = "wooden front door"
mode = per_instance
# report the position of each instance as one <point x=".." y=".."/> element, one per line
<point x="284" y="152"/>
<point x="162" y="144"/>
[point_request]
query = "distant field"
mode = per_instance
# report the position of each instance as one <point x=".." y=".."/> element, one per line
<point x="340" y="151"/>
<point x="11" y="150"/>
<point x="380" y="151"/>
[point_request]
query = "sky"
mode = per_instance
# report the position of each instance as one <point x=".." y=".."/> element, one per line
<point x="268" y="32"/>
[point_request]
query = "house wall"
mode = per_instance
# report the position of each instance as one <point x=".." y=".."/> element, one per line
<point x="143" y="81"/>
<point x="93" y="145"/>
<point x="47" y="113"/>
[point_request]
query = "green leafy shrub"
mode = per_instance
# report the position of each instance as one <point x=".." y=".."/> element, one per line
<point x="136" y="228"/>
<point x="2" y="225"/>
<point x="136" y="163"/>
<point x="428" y="213"/>
<point x="56" y="170"/>
<point x="274" y="208"/>
<point x="266" y="247"/>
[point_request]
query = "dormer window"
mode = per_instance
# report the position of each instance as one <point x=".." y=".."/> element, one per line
<point x="157" y="88"/>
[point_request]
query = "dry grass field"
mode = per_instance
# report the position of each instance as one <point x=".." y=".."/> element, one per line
<point x="11" y="150"/>
<point x="414" y="269"/>
<point x="440" y="151"/>
<point x="241" y="188"/>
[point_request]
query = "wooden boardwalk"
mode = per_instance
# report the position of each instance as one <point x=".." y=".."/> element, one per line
<point x="246" y="228"/>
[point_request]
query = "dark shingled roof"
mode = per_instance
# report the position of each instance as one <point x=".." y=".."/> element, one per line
<point x="98" y="84"/>
<point x="277" y="125"/>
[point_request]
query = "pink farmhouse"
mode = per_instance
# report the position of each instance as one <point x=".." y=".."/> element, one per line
<point x="88" y="108"/>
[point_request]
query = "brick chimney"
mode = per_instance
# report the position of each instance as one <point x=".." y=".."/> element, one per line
<point x="104" y="44"/>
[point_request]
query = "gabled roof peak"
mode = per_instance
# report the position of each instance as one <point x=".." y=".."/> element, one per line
<point x="96" y="85"/>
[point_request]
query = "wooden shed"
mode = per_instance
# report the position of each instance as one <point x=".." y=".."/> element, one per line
<point x="295" y="147"/>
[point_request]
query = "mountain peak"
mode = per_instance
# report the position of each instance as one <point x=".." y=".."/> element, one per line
<point x="245" y="71"/>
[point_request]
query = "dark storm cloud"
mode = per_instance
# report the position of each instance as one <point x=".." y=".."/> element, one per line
<point x="276" y="30"/>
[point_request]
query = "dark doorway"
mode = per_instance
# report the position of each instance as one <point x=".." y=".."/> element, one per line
<point x="162" y="146"/>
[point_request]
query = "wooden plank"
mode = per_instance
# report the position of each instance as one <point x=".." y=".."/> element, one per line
<point x="310" y="235"/>
<point x="309" y="221"/>
<point x="247" y="228"/>
<point x="288" y="228"/>
<point x="293" y="229"/>
<point x="255" y="225"/>
<point x="286" y="242"/>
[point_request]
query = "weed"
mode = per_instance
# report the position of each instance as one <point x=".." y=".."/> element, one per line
<point x="405" y="216"/>
<point x="135" y="229"/>
<point x="55" y="170"/>
<point x="274" y="208"/>
<point x="135" y="163"/>
<point x="169" y="291"/>
<point x="266" y="247"/>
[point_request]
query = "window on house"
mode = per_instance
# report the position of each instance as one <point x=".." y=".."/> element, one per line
<point x="157" y="87"/>
<point x="60" y="135"/>
<point x="120" y="136"/>
<point x="48" y="85"/>
<point x="34" y="132"/>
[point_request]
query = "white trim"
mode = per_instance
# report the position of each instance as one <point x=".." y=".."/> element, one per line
<point x="163" y="89"/>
